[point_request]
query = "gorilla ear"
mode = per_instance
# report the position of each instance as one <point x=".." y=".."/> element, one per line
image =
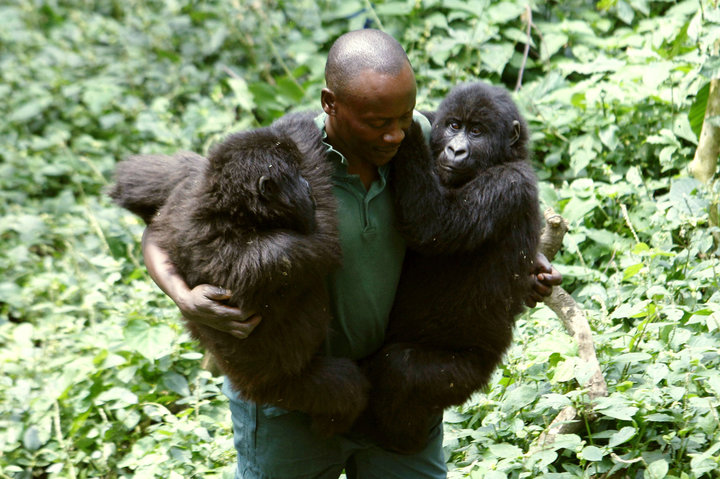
<point x="516" y="132"/>
<point x="263" y="185"/>
<point x="266" y="186"/>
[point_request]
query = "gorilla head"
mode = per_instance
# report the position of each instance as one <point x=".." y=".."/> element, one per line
<point x="256" y="175"/>
<point x="475" y="127"/>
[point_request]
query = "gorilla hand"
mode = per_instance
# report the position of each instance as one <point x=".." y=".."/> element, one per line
<point x="544" y="277"/>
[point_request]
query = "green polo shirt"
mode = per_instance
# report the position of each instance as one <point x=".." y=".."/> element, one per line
<point x="362" y="291"/>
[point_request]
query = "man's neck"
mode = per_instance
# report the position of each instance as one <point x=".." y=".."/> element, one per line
<point x="355" y="165"/>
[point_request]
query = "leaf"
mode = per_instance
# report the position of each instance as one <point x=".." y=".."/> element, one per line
<point x="121" y="397"/>
<point x="570" y="442"/>
<point x="622" y="436"/>
<point x="616" y="407"/>
<point x="99" y="93"/>
<point x="176" y="383"/>
<point x="496" y="56"/>
<point x="506" y="451"/>
<point x="608" y="136"/>
<point x="576" y="209"/>
<point x="592" y="453"/>
<point x="632" y="270"/>
<point x="31" y="439"/>
<point x="634" y="309"/>
<point x="242" y="93"/>
<point x="30" y="109"/>
<point x="519" y="397"/>
<point x="657" y="469"/>
<point x="394" y="8"/>
<point x="683" y="196"/>
<point x="554" y="401"/>
<point x="153" y="342"/>
<point x="551" y="43"/>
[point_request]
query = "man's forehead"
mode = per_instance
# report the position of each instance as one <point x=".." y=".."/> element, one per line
<point x="369" y="80"/>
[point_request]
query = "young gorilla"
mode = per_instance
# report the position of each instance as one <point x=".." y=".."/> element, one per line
<point x="469" y="212"/>
<point x="258" y="218"/>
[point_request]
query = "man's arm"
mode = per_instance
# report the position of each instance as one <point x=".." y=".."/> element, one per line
<point x="201" y="304"/>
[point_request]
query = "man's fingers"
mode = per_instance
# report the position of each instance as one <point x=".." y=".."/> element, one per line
<point x="242" y="330"/>
<point x="216" y="293"/>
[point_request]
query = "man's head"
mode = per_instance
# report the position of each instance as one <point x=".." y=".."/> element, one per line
<point x="370" y="96"/>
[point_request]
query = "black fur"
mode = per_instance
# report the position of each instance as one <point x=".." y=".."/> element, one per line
<point x="144" y="182"/>
<point x="260" y="220"/>
<point x="472" y="230"/>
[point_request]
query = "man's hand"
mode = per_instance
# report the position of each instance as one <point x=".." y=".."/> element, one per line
<point x="203" y="304"/>
<point x="544" y="277"/>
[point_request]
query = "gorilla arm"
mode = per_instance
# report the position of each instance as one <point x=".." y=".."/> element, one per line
<point x="202" y="304"/>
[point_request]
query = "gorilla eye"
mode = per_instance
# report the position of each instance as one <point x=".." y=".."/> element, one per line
<point x="454" y="124"/>
<point x="476" y="130"/>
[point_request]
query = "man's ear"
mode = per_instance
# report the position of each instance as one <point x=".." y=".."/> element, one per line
<point x="328" y="100"/>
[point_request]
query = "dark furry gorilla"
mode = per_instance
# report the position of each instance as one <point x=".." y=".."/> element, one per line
<point x="258" y="218"/>
<point x="470" y="215"/>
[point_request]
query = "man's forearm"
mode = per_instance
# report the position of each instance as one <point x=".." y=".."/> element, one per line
<point x="161" y="269"/>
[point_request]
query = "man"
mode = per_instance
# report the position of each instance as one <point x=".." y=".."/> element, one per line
<point x="368" y="105"/>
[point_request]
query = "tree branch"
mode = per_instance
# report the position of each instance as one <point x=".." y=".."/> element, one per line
<point x="576" y="323"/>
<point x="704" y="163"/>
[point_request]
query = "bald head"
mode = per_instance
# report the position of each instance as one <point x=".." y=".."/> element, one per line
<point x="360" y="50"/>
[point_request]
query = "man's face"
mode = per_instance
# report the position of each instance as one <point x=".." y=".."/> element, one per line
<point x="370" y="118"/>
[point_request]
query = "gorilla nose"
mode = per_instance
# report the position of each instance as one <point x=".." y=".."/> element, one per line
<point x="455" y="155"/>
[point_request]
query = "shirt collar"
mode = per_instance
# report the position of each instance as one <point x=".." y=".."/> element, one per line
<point x="338" y="158"/>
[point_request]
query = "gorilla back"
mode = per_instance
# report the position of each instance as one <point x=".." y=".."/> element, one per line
<point x="259" y="220"/>
<point x="468" y="209"/>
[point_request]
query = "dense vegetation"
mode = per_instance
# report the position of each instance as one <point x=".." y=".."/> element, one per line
<point x="98" y="378"/>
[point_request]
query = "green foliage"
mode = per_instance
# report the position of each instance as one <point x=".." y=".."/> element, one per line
<point x="99" y="379"/>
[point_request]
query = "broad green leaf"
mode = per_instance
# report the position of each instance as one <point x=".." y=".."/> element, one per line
<point x="31" y="439"/>
<point x="519" y="398"/>
<point x="635" y="309"/>
<point x="571" y="442"/>
<point x="100" y="93"/>
<point x="657" y="469"/>
<point x="622" y="436"/>
<point x="31" y="109"/>
<point x="631" y="271"/>
<point x="121" y="397"/>
<point x="153" y="342"/>
<point x="176" y="383"/>
<point x="616" y="407"/>
<point x="506" y="451"/>
<point x="577" y="209"/>
<point x="496" y="56"/>
<point x="592" y="453"/>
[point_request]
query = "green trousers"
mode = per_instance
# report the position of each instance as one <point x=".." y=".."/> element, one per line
<point x="273" y="443"/>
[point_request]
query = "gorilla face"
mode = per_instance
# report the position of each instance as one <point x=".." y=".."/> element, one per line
<point x="256" y="174"/>
<point x="476" y="127"/>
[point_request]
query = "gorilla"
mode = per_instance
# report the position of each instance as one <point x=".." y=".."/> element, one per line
<point x="258" y="217"/>
<point x="468" y="209"/>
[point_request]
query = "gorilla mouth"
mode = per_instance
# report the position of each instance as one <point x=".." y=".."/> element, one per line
<point x="452" y="176"/>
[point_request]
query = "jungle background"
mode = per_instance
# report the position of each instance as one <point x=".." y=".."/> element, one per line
<point x="98" y="378"/>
